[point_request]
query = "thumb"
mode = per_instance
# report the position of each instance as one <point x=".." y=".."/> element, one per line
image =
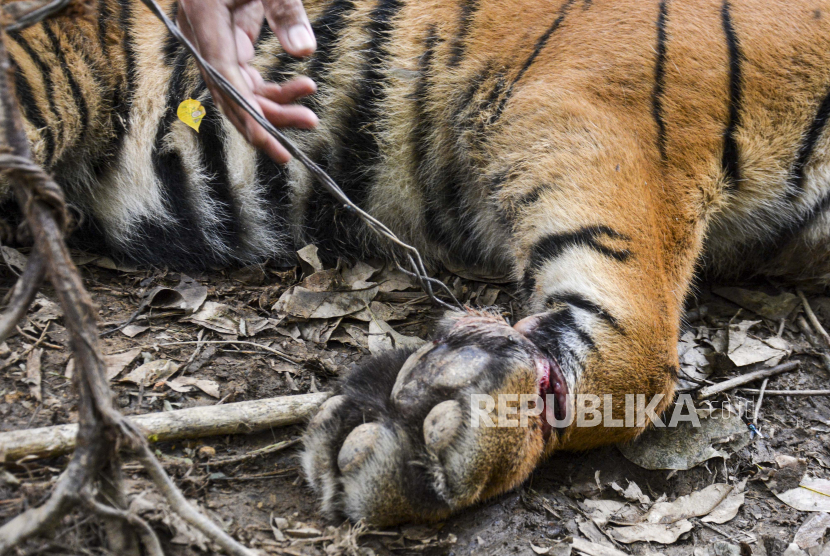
<point x="289" y="22"/>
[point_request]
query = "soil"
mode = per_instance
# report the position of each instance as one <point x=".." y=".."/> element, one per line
<point x="264" y="500"/>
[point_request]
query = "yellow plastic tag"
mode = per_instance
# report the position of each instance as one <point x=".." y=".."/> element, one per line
<point x="191" y="112"/>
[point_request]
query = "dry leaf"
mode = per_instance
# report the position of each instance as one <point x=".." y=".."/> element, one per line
<point x="13" y="258"/>
<point x="685" y="446"/>
<point x="216" y="316"/>
<point x="187" y="296"/>
<point x="303" y="303"/>
<point x="133" y="330"/>
<point x="358" y="274"/>
<point x="183" y="384"/>
<point x="318" y="330"/>
<point x="789" y="474"/>
<point x="592" y="532"/>
<point x="745" y="350"/>
<point x="813" y="495"/>
<point x="383" y="338"/>
<point x="594" y="549"/>
<point x="729" y="507"/>
<point x="47" y="310"/>
<point x="393" y="280"/>
<point x="695" y="504"/>
<point x="152" y="372"/>
<point x="602" y="511"/>
<point x="559" y="549"/>
<point x="118" y="362"/>
<point x="812" y="531"/>
<point x="663" y="533"/>
<point x="633" y="493"/>
<point x="310" y="260"/>
<point x="33" y="376"/>
<point x="771" y="307"/>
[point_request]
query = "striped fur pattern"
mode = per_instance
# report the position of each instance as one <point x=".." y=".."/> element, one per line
<point x="601" y="151"/>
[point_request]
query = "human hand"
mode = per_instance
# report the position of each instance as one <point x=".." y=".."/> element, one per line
<point x="224" y="31"/>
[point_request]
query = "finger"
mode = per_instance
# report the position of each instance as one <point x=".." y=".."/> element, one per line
<point x="256" y="78"/>
<point x="251" y="130"/>
<point x="290" y="23"/>
<point x="288" y="92"/>
<point x="291" y="115"/>
<point x="211" y="23"/>
<point x="244" y="46"/>
<point x="249" y="18"/>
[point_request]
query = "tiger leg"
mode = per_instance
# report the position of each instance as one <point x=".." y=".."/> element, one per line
<point x="405" y="439"/>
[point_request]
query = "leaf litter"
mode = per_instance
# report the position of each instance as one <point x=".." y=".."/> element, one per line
<point x="600" y="522"/>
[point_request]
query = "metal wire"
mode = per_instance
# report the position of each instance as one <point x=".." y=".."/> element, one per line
<point x="35" y="16"/>
<point x="414" y="258"/>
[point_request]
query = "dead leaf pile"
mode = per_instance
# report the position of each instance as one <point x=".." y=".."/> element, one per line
<point x="341" y="304"/>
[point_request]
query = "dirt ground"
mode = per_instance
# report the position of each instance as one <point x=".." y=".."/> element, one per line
<point x="264" y="502"/>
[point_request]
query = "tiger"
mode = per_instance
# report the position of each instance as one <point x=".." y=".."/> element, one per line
<point x="605" y="154"/>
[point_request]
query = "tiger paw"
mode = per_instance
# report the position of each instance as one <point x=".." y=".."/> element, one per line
<point x="417" y="436"/>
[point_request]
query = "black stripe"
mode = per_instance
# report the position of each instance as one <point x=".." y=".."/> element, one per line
<point x="327" y="30"/>
<point x="31" y="110"/>
<point x="552" y="327"/>
<point x="443" y="170"/>
<point x="55" y="136"/>
<point x="104" y="15"/>
<point x="465" y="24"/>
<point x="182" y="242"/>
<point x="585" y="304"/>
<point x="211" y="139"/>
<point x="533" y="195"/>
<point x="77" y="93"/>
<point x="808" y="144"/>
<point x="123" y="100"/>
<point x="172" y="46"/>
<point x="659" y="79"/>
<point x="540" y="45"/>
<point x="553" y="245"/>
<point x="351" y="163"/>
<point x="730" y="162"/>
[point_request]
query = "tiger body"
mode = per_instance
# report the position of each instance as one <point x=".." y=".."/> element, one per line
<point x="599" y="151"/>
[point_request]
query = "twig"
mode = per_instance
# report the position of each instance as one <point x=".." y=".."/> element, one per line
<point x="181" y="506"/>
<point x="194" y="422"/>
<point x="23" y="294"/>
<point x="279" y="446"/>
<point x="276" y="352"/>
<point x="814" y="341"/>
<point x="760" y="400"/>
<point x="710" y="391"/>
<point x="787" y="392"/>
<point x="813" y="319"/>
<point x="39" y="340"/>
<point x="148" y="536"/>
<point x="719" y="531"/>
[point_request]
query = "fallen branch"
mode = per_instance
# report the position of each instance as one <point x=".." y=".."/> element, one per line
<point x="726" y="385"/>
<point x="214" y="420"/>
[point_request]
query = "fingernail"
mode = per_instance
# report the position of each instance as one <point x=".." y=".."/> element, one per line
<point x="300" y="38"/>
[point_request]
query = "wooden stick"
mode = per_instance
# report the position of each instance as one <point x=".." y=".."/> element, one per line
<point x="710" y="391"/>
<point x="760" y="400"/>
<point x="787" y="392"/>
<point x="232" y="418"/>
